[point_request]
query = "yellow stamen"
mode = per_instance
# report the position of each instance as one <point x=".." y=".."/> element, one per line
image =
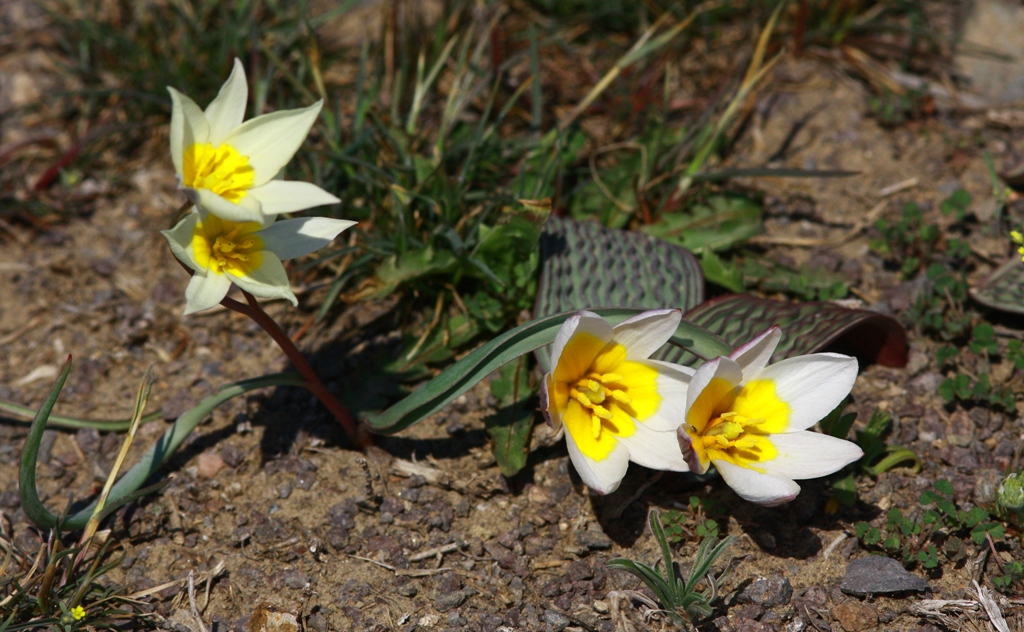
<point x="222" y="246"/>
<point x="219" y="169"/>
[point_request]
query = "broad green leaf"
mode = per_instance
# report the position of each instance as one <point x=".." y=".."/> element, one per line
<point x="806" y="327"/>
<point x="721" y="272"/>
<point x="415" y="264"/>
<point x="1004" y="288"/>
<point x="722" y="223"/>
<point x="586" y="266"/>
<point x="510" y="426"/>
<point x="526" y="338"/>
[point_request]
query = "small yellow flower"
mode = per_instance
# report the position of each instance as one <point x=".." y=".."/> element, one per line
<point x="1018" y="239"/>
<point x="78" y="612"/>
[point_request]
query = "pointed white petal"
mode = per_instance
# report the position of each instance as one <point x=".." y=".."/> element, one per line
<point x="247" y="210"/>
<point x="807" y="454"/>
<point x="721" y="367"/>
<point x="268" y="281"/>
<point x="180" y="240"/>
<point x="645" y="333"/>
<point x="656" y="450"/>
<point x="188" y="127"/>
<point x="290" y="196"/>
<point x="754" y="355"/>
<point x="757" y="487"/>
<point x="601" y="476"/>
<point x="205" y="291"/>
<point x="292" y="238"/>
<point x="582" y="322"/>
<point x="226" y="112"/>
<point x="271" y="140"/>
<point x="812" y="385"/>
<point x="673" y="382"/>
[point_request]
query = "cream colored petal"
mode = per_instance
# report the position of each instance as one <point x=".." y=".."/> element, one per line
<point x="205" y="291"/>
<point x="601" y="476"/>
<point x="805" y="454"/>
<point x="721" y="368"/>
<point x="582" y="323"/>
<point x="226" y="112"/>
<point x="247" y="210"/>
<point x="672" y="386"/>
<point x="270" y="141"/>
<point x="268" y="281"/>
<point x="754" y="355"/>
<point x="290" y="196"/>
<point x="757" y="487"/>
<point x="812" y="385"/>
<point x="292" y="238"/>
<point x="180" y="240"/>
<point x="188" y="127"/>
<point x="656" y="450"/>
<point x="647" y="332"/>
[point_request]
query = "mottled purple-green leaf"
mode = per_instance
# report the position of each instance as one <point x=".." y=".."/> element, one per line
<point x="806" y="328"/>
<point x="1004" y="288"/>
<point x="510" y="426"/>
<point x="586" y="266"/>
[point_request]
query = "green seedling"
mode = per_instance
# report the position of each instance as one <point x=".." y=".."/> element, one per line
<point x="679" y="597"/>
<point x="956" y="204"/>
<point x="693" y="522"/>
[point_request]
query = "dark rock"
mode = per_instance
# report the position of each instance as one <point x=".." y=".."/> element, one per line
<point x="767" y="592"/>
<point x="555" y="621"/>
<point x="317" y="622"/>
<point x="750" y="625"/>
<point x="880" y="575"/>
<point x="296" y="579"/>
<point x="449" y="601"/>
<point x="593" y="540"/>
<point x="232" y="455"/>
<point x="337" y="537"/>
<point x="578" y="571"/>
<point x="856" y="616"/>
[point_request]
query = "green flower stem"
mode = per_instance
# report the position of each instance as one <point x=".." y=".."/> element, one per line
<point x="312" y="380"/>
<point x="73" y="423"/>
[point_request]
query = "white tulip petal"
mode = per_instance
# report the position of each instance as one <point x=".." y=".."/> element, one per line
<point x="721" y="367"/>
<point x="292" y="238"/>
<point x="180" y="240"/>
<point x="247" y="209"/>
<point x="268" y="281"/>
<point x="601" y="476"/>
<point x="226" y="112"/>
<point x="270" y="141"/>
<point x="653" y="449"/>
<point x="290" y="196"/>
<point x="583" y="322"/>
<point x="647" y="332"/>
<point x="807" y="454"/>
<point x="188" y="127"/>
<point x="812" y="385"/>
<point x="754" y="355"/>
<point x="757" y="487"/>
<point x="205" y="291"/>
<point x="672" y="385"/>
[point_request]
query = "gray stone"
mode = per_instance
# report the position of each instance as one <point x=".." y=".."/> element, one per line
<point x="876" y="575"/>
<point x="594" y="540"/>
<point x="767" y="592"/>
<point x="555" y="621"/>
<point x="449" y="601"/>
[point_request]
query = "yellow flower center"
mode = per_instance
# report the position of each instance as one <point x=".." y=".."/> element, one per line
<point x="732" y="424"/>
<point x="219" y="169"/>
<point x="223" y="246"/>
<point x="599" y="395"/>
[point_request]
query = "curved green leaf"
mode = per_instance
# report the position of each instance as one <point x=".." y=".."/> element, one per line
<point x="1004" y="288"/>
<point x="475" y="366"/>
<point x="806" y="327"/>
<point x="127" y="488"/>
<point x="585" y="265"/>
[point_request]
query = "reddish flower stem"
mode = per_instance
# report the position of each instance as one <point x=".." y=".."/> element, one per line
<point x="313" y="383"/>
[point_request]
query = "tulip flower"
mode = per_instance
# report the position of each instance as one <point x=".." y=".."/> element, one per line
<point x="750" y="419"/>
<point x="229" y="167"/>
<point x="616" y="405"/>
<point x="248" y="254"/>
